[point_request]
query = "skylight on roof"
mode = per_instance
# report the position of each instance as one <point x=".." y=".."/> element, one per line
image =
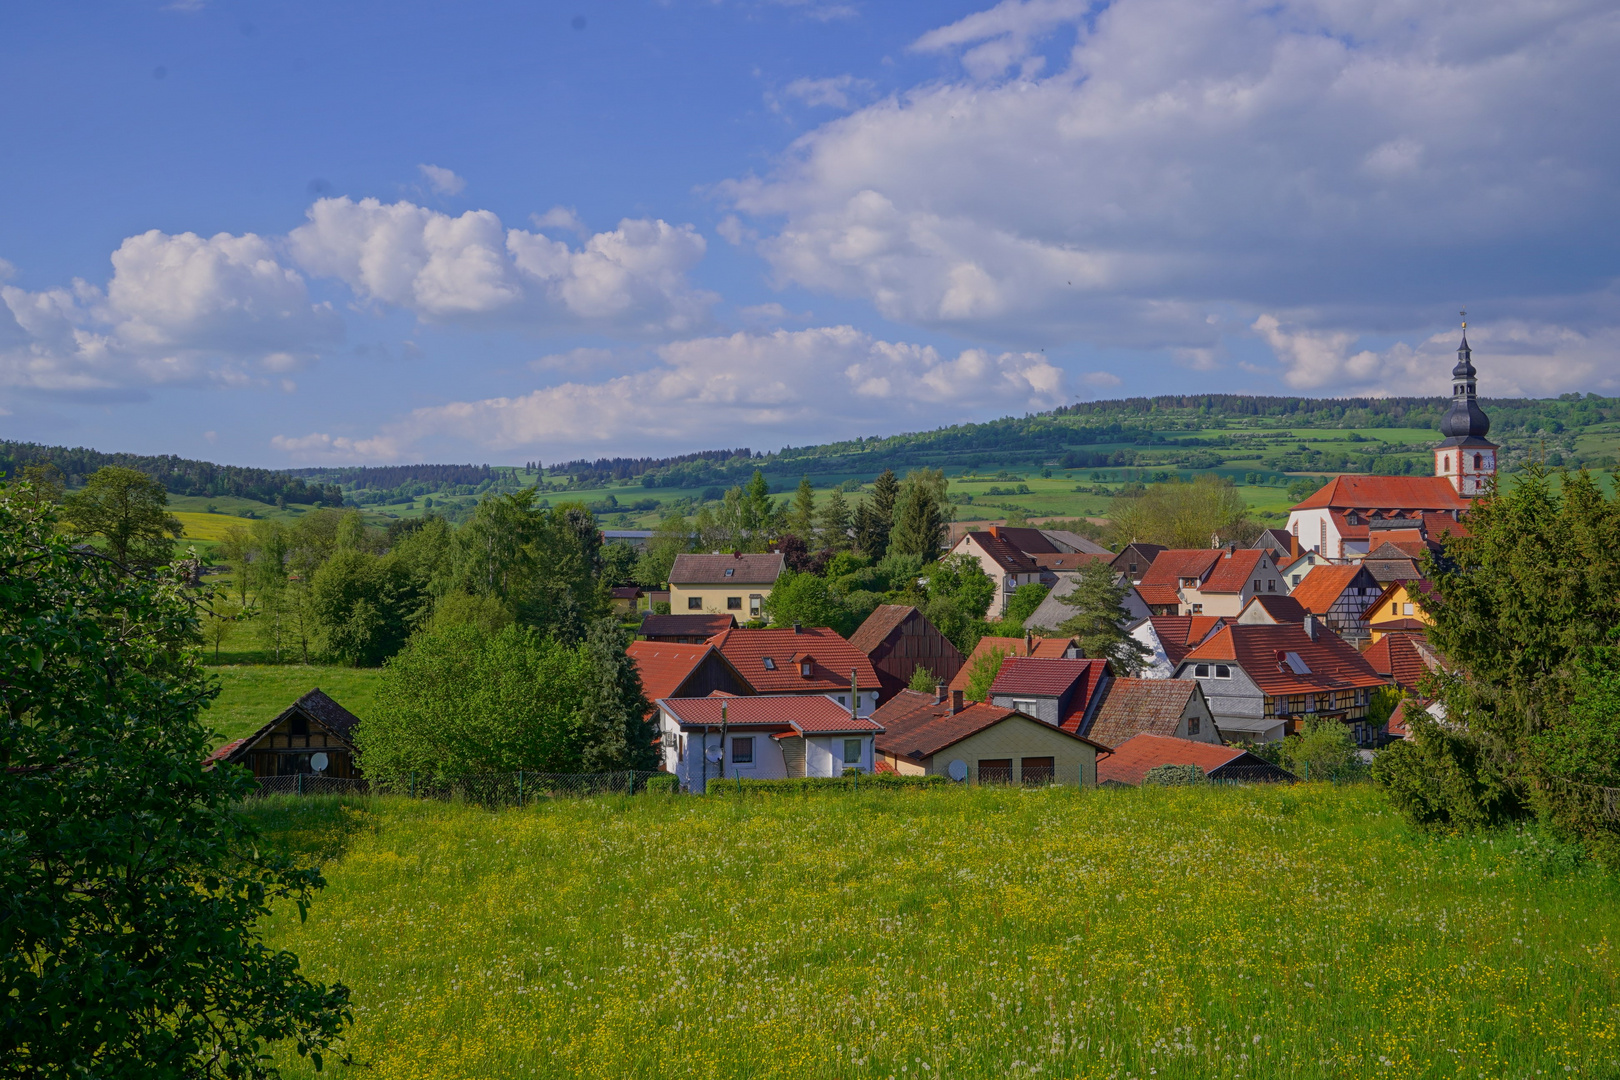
<point x="770" y="664"/>
<point x="1297" y="663"/>
<point x="730" y="570"/>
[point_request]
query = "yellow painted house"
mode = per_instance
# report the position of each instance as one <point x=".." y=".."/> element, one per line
<point x="734" y="584"/>
<point x="1399" y="607"/>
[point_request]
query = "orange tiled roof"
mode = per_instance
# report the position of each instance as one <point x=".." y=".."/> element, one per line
<point x="1010" y="646"/>
<point x="1323" y="586"/>
<point x="1159" y="595"/>
<point x="664" y="665"/>
<point x="1234" y="570"/>
<point x="1180" y="633"/>
<point x="1385" y="493"/>
<point x="1261" y="650"/>
<point x="1399" y="658"/>
<point x="1136" y="756"/>
<point x="1173" y="564"/>
<point x="806" y="714"/>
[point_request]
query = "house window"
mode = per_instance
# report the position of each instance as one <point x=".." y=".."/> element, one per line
<point x="1037" y="771"/>
<point x="1198" y="609"/>
<point x="1445" y="463"/>
<point x="1271" y="585"/>
<point x="694" y="603"/>
<point x="733" y="603"/>
<point x="1408" y="608"/>
<point x="1194" y="725"/>
<point x="852" y="751"/>
<point x="1025" y="705"/>
<point x="680" y="749"/>
<point x="995" y="771"/>
<point x="1479" y="463"/>
<point x="1296" y="579"/>
<point x="1310" y="703"/>
<point x="770" y="664"/>
<point x="1222" y="671"/>
<point x="804" y="669"/>
<point x="742" y="751"/>
<point x="1201" y="671"/>
<point x="1133" y="568"/>
<point x="842" y="700"/>
<point x="755" y="603"/>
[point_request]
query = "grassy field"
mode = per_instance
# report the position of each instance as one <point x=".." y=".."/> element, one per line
<point x="253" y="695"/>
<point x="1198" y="932"/>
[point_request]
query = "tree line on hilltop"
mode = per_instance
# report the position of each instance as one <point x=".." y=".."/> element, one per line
<point x="179" y="476"/>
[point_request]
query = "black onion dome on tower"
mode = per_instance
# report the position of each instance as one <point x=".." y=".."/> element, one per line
<point x="1465" y="419"/>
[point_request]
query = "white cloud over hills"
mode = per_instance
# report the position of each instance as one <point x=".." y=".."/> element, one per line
<point x="768" y="388"/>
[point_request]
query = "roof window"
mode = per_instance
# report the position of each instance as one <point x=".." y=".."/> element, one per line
<point x="770" y="664"/>
<point x="730" y="570"/>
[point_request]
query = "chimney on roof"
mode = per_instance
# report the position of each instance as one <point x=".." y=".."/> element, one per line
<point x="798" y="628"/>
<point x="939" y="693"/>
<point x="1310" y="625"/>
<point x="1029" y="643"/>
<point x="956" y="702"/>
<point x="995" y="531"/>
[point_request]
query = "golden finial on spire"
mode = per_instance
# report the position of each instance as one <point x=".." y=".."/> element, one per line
<point x="1464" y="314"/>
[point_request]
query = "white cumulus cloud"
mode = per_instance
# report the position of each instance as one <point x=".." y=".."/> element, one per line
<point x="632" y="280"/>
<point x="768" y="387"/>
<point x="442" y="180"/>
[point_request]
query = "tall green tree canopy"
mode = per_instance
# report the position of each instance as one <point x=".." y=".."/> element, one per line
<point x="133" y="886"/>
<point x="1526" y="612"/>
<point x="874" y="517"/>
<point x="365" y="606"/>
<point x="462" y="700"/>
<point x="1098" y="598"/>
<point x="920" y="514"/>
<point x="1182" y="515"/>
<point x="802" y="517"/>
<point x="545" y="565"/>
<point x="129" y="510"/>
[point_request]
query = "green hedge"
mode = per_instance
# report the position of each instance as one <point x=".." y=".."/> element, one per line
<point x="807" y="784"/>
<point x="663" y="785"/>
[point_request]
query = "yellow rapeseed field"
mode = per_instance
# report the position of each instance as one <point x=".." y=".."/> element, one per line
<point x="1194" y="932"/>
<point x="208" y="526"/>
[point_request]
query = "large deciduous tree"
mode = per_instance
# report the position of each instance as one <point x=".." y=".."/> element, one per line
<point x="133" y="887"/>
<point x="129" y="510"/>
<point x="1182" y="515"/>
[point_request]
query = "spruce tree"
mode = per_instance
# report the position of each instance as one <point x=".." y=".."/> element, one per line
<point x="802" y="519"/>
<point x="835" y="522"/>
<point x="1100" y="600"/>
<point x="919" y="517"/>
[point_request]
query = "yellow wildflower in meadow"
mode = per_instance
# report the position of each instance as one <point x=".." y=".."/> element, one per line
<point x="1174" y="932"/>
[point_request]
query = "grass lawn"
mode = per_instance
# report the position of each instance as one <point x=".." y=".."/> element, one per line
<point x="1196" y="932"/>
<point x="252" y="695"/>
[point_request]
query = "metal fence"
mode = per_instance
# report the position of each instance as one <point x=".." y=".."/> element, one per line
<point x="490" y="789"/>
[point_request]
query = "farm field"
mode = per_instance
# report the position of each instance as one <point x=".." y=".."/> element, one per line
<point x="1192" y="932"/>
<point x="251" y="695"/>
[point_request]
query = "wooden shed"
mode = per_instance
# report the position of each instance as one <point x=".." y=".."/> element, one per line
<point x="898" y="639"/>
<point x="314" y="724"/>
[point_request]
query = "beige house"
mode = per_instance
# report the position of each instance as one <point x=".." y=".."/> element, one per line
<point x="734" y="585"/>
<point x="980" y="744"/>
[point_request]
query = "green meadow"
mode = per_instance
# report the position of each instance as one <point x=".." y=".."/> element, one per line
<point x="251" y="695"/>
<point x="1250" y="932"/>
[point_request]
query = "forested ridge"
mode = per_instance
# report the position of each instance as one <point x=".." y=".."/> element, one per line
<point x="179" y="476"/>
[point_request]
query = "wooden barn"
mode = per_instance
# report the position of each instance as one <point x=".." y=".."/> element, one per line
<point x="898" y="638"/>
<point x="287" y="745"/>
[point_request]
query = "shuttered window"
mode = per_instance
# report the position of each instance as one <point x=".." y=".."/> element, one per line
<point x="1036" y="771"/>
<point x="995" y="770"/>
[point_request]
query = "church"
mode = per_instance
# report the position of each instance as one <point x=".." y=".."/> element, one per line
<point x="1351" y="515"/>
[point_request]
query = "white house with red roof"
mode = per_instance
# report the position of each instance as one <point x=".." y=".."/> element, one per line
<point x="1209" y="581"/>
<point x="802" y="660"/>
<point x="766" y="737"/>
<point x="1341" y="519"/>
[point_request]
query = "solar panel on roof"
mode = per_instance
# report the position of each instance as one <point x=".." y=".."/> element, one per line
<point x="1297" y="663"/>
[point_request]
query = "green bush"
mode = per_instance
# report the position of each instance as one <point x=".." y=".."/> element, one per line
<point x="808" y="784"/>
<point x="665" y="784"/>
<point x="1173" y="776"/>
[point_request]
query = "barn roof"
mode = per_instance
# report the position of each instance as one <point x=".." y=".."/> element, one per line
<point x="918" y="727"/>
<point x="703" y="626"/>
<point x="1134" y="706"/>
<point x="316" y="705"/>
<point x="1134" y="758"/>
<point x="733" y="569"/>
<point x="884" y="620"/>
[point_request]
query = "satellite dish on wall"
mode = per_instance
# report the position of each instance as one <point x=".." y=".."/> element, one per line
<point x="713" y="754"/>
<point x="319" y="762"/>
<point x="957" y="770"/>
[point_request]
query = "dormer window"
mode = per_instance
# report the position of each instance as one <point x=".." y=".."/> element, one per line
<point x="804" y="669"/>
<point x="1352" y="518"/>
<point x="730" y="570"/>
<point x="770" y="664"/>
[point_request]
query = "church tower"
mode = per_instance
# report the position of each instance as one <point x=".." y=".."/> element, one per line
<point x="1466" y="458"/>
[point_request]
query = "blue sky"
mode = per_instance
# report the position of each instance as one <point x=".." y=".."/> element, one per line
<point x="291" y="234"/>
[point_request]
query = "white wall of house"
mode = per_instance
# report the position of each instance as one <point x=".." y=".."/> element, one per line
<point x="824" y="755"/>
<point x="1158" y="665"/>
<point x="1235" y="700"/>
<point x="1006" y="584"/>
<point x="1316" y="531"/>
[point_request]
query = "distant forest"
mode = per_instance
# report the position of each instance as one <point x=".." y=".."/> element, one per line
<point x="389" y="477"/>
<point x="673" y="469"/>
<point x="180" y="476"/>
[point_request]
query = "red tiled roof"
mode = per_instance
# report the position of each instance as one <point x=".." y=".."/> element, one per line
<point x="1029" y="541"/>
<point x="1003" y="553"/>
<point x="1136" y="756"/>
<point x="883" y="621"/>
<point x="711" y="569"/>
<point x="1009" y="646"/>
<point x="664" y="665"/>
<point x="1173" y="564"/>
<point x="1399" y="658"/>
<point x="703" y="626"/>
<point x="1258" y="650"/>
<point x="919" y="730"/>
<point x="1179" y="633"/>
<point x="834" y="658"/>
<point x="809" y="714"/>
<point x="1234" y="570"/>
<point x="1040" y="676"/>
<point x="1137" y="705"/>
<point x="1323" y="586"/>
<point x="1385" y="493"/>
<point x="1159" y="595"/>
<point x="1348" y="530"/>
<point x="1438" y="525"/>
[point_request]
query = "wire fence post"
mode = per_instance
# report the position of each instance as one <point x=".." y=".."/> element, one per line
<point x="520" y="787"/>
<point x="300" y="783"/>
